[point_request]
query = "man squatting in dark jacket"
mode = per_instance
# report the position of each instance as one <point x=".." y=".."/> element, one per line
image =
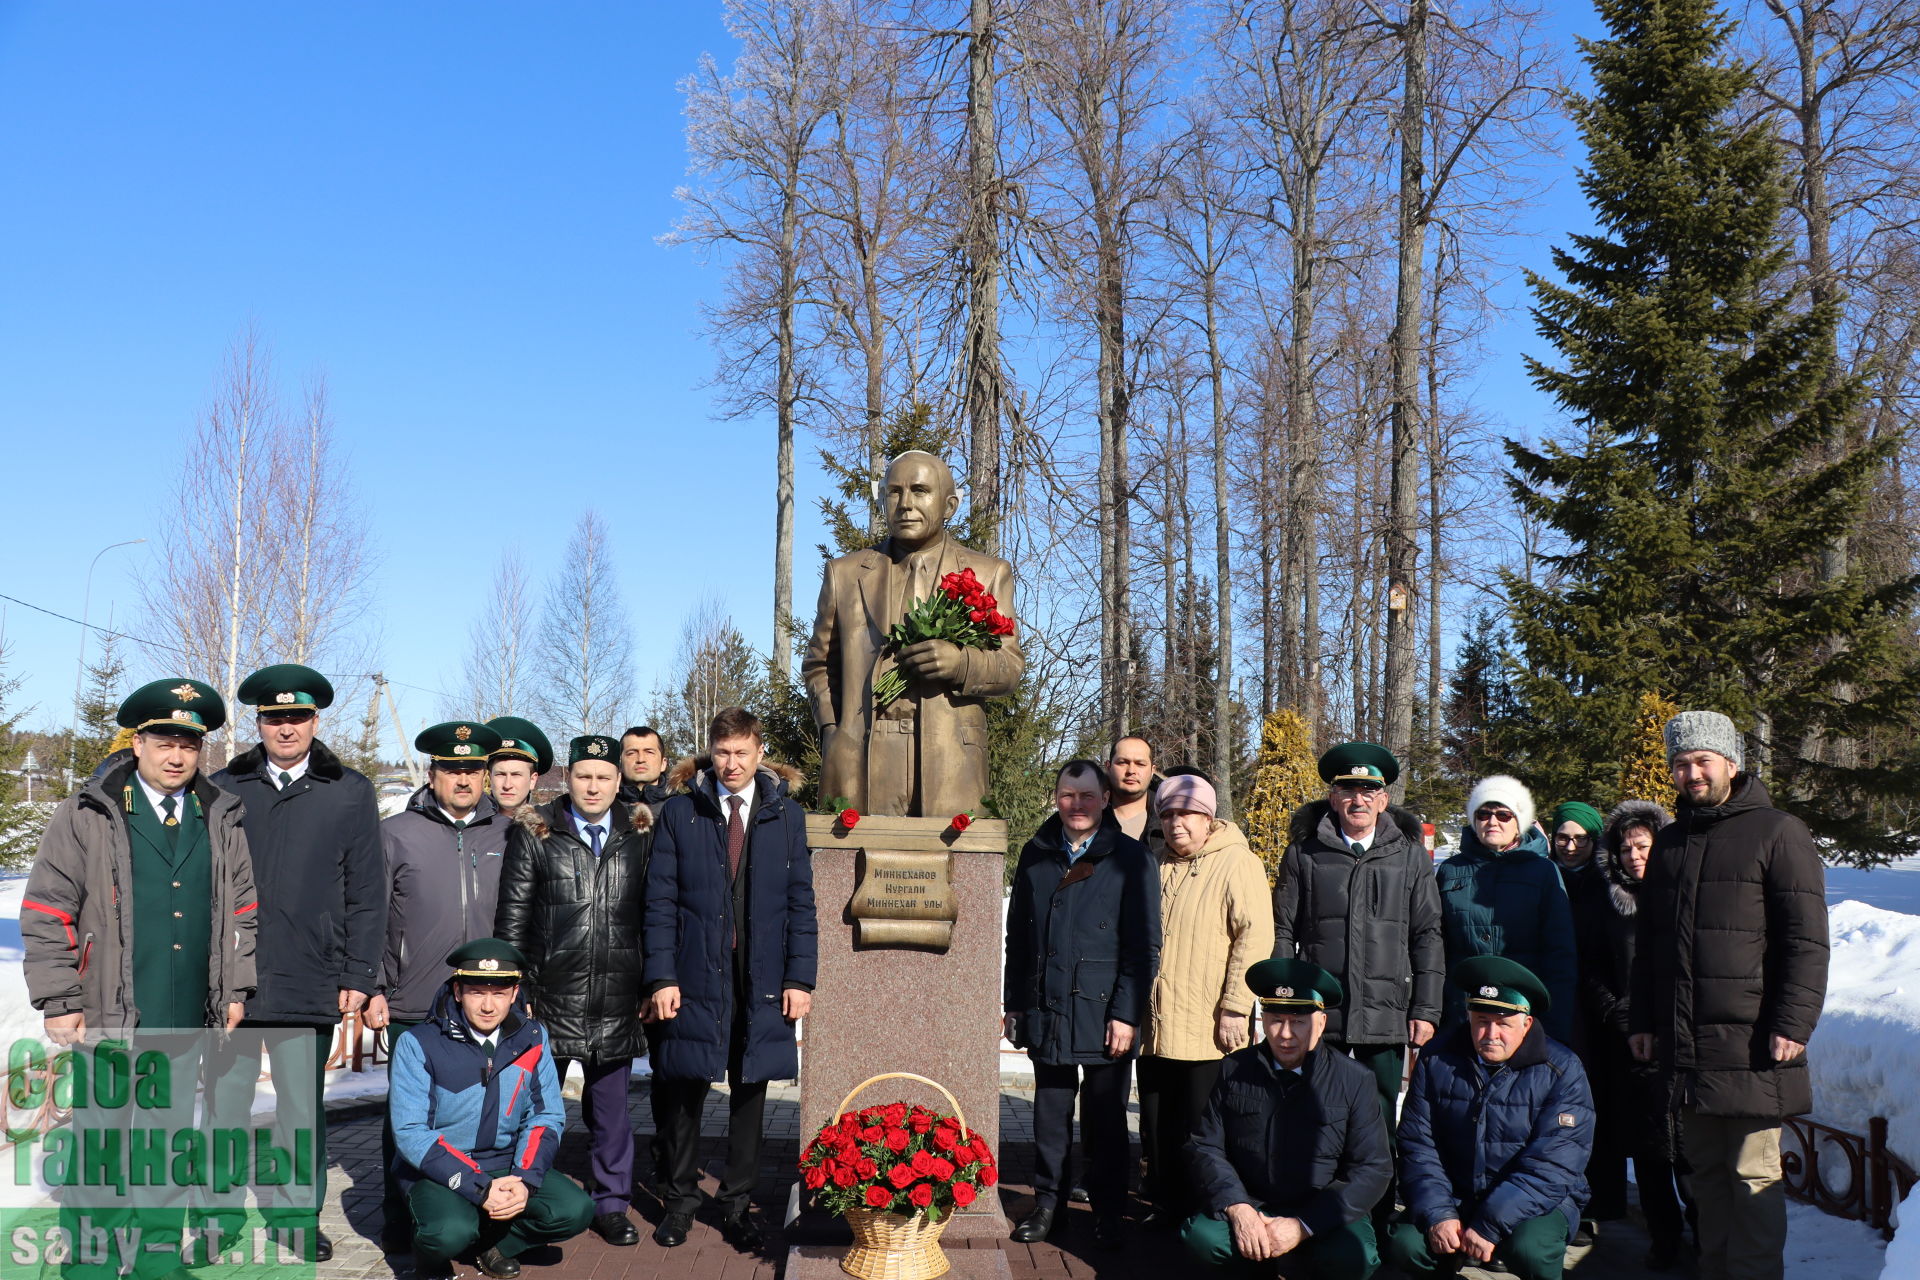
<point x="474" y="1105"/>
<point x="1291" y="1154"/>
<point x="1495" y="1137"/>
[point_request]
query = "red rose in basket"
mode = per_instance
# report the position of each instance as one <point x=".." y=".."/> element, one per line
<point x="897" y="1164"/>
<point x="959" y="611"/>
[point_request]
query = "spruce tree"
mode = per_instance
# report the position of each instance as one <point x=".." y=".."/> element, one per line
<point x="99" y="709"/>
<point x="1692" y="506"/>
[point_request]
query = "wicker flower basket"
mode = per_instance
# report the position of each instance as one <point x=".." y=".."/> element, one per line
<point x="889" y="1246"/>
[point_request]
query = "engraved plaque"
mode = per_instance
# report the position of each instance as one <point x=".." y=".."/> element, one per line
<point x="904" y="899"/>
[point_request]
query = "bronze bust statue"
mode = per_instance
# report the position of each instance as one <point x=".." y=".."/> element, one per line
<point x="925" y="754"/>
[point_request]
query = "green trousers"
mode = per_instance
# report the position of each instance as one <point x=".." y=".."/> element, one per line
<point x="1346" y="1254"/>
<point x="1537" y="1250"/>
<point x="446" y="1223"/>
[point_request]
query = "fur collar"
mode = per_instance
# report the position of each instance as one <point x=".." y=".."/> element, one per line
<point x="538" y="819"/>
<point x="321" y="763"/>
<point x="1307" y="818"/>
<point x="697" y="771"/>
<point x="1622" y="889"/>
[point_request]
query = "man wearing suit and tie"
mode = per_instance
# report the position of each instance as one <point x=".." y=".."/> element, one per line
<point x="925" y="754"/>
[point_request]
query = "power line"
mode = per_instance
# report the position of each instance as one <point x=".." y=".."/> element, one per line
<point x="174" y="648"/>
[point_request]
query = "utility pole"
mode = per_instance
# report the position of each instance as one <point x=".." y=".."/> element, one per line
<point x="380" y="690"/>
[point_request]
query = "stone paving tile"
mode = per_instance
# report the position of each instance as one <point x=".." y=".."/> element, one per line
<point x="352" y="1214"/>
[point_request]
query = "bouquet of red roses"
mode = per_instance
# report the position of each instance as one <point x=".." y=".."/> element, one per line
<point x="896" y="1159"/>
<point x="961" y="611"/>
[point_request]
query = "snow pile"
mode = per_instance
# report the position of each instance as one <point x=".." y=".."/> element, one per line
<point x="1865" y="1054"/>
<point x="1903" y="1254"/>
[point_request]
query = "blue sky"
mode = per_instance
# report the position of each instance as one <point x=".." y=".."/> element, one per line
<point x="450" y="211"/>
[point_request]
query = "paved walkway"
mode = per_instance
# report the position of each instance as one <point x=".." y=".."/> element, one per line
<point x="352" y="1216"/>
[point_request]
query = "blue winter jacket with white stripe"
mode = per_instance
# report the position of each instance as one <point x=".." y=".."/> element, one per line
<point x="462" y="1119"/>
<point x="1495" y="1146"/>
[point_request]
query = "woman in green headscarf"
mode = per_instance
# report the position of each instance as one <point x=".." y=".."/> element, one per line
<point x="1573" y="831"/>
<point x="1573" y="834"/>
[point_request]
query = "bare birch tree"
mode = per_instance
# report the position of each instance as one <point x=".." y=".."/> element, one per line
<point x="585" y="648"/>
<point x="750" y="134"/>
<point x="499" y="673"/>
<point x="321" y="598"/>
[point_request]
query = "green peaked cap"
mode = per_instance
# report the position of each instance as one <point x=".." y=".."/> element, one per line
<point x="458" y="741"/>
<point x="487" y="960"/>
<point x="1496" y="984"/>
<point x="1359" y="762"/>
<point x="173" y="704"/>
<point x="522" y="739"/>
<point x="1287" y="985"/>
<point x="285" y="686"/>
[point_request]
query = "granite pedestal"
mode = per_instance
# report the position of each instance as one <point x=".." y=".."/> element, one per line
<point x="879" y="1008"/>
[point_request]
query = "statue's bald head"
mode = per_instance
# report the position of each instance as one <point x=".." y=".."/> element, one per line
<point x="919" y="497"/>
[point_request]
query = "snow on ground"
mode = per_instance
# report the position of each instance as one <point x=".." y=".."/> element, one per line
<point x="1903" y="1254"/>
<point x="1865" y="1054"/>
<point x="1821" y="1245"/>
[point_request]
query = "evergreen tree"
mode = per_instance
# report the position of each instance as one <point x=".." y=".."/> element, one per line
<point x="99" y="709"/>
<point x="1644" y="775"/>
<point x="1286" y="775"/>
<point x="1480" y="715"/>
<point x="1693" y="507"/>
<point x="362" y="753"/>
<point x="20" y="823"/>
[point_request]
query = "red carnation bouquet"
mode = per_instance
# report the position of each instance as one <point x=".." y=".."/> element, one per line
<point x="897" y="1159"/>
<point x="961" y="611"/>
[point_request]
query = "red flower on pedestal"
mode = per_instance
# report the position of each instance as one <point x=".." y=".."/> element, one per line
<point x="849" y="818"/>
<point x="961" y="821"/>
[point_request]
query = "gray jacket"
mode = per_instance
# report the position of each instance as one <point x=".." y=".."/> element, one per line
<point x="1372" y="921"/>
<point x="442" y="885"/>
<point x="76" y="921"/>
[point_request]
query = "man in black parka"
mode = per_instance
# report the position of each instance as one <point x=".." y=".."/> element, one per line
<point x="1729" y="976"/>
<point x="1083" y="944"/>
<point x="313" y="830"/>
<point x="572" y="897"/>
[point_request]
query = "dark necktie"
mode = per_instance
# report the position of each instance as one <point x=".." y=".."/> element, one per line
<point x="1358" y="848"/>
<point x="166" y="808"/>
<point x="594" y="832"/>
<point x="736" y="838"/>
<point x="286" y="779"/>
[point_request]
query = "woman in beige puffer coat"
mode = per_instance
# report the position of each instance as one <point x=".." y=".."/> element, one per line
<point x="1216" y="921"/>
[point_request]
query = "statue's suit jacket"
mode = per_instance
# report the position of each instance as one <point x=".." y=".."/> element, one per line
<point x="872" y="760"/>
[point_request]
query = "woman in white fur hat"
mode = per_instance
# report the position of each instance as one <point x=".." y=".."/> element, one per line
<point x="1501" y="896"/>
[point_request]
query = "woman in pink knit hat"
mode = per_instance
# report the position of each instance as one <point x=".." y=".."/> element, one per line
<point x="1216" y="919"/>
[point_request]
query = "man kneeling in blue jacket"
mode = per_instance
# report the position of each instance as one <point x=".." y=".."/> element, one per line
<point x="1494" y="1137"/>
<point x="477" y="1117"/>
<point x="1291" y="1153"/>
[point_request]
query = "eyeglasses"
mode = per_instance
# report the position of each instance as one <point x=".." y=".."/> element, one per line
<point x="1573" y="841"/>
<point x="1361" y="788"/>
<point x="1494" y="815"/>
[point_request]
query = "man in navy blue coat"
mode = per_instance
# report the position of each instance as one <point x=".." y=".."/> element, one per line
<point x="1083" y="944"/>
<point x="729" y="944"/>
<point x="1495" y="1136"/>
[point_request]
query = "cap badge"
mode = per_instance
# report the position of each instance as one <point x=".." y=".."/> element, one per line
<point x="182" y="715"/>
<point x="489" y="964"/>
<point x="463" y="750"/>
<point x="1286" y="993"/>
<point x="185" y="692"/>
<point x="283" y="698"/>
<point x="463" y="733"/>
<point x="596" y="748"/>
<point x="1490" y="991"/>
